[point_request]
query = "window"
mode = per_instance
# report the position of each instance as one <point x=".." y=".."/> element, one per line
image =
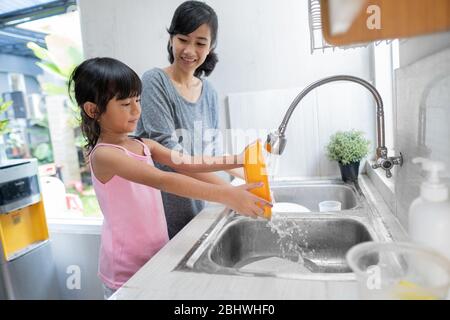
<point x="16" y="82"/>
<point x="43" y="122"/>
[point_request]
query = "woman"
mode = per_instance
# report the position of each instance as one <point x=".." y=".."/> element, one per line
<point x="179" y="107"/>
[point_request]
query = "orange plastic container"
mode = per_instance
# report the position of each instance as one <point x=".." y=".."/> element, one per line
<point x="255" y="171"/>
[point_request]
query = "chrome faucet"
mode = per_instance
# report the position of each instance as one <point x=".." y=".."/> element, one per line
<point x="276" y="141"/>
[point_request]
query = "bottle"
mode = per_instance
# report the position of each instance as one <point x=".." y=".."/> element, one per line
<point x="429" y="215"/>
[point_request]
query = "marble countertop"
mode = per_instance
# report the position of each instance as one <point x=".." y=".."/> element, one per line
<point x="158" y="280"/>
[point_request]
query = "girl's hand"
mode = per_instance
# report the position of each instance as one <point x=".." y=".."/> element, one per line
<point x="242" y="201"/>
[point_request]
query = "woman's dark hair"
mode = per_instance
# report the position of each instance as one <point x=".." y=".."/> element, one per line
<point x="187" y="18"/>
<point x="100" y="80"/>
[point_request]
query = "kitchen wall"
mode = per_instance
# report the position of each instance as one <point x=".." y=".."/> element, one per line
<point x="75" y="253"/>
<point x="414" y="49"/>
<point x="262" y="44"/>
<point x="327" y="109"/>
<point x="264" y="50"/>
<point x="423" y="113"/>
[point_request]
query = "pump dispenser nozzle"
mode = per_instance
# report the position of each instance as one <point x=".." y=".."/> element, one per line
<point x="432" y="189"/>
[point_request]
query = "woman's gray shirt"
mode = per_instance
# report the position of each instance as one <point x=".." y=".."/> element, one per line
<point x="178" y="124"/>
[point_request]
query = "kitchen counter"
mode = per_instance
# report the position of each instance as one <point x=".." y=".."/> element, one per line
<point x="157" y="280"/>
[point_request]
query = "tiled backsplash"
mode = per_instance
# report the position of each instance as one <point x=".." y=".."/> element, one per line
<point x="423" y="121"/>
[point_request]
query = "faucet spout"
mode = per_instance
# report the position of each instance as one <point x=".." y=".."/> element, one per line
<point x="276" y="141"/>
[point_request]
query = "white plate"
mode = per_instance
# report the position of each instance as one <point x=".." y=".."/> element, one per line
<point x="288" y="207"/>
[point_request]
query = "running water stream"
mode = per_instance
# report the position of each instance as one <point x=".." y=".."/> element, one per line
<point x="291" y="238"/>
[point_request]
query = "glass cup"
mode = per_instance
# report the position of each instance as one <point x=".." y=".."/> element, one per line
<point x="399" y="271"/>
<point x="326" y="206"/>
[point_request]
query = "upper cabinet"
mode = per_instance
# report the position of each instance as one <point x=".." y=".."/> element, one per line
<point x="346" y="22"/>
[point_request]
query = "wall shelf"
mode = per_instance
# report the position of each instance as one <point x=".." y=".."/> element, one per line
<point x="399" y="19"/>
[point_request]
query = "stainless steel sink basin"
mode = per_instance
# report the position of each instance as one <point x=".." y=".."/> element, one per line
<point x="320" y="243"/>
<point x="309" y="194"/>
<point x="294" y="245"/>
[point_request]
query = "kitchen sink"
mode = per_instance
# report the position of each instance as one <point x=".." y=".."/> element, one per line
<point x="309" y="194"/>
<point x="320" y="244"/>
<point x="294" y="245"/>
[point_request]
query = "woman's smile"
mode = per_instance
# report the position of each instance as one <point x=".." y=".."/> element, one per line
<point x="187" y="60"/>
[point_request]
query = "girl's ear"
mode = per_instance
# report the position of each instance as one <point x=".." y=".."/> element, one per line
<point x="90" y="109"/>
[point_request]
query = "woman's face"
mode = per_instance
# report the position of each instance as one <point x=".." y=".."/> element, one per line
<point x="191" y="50"/>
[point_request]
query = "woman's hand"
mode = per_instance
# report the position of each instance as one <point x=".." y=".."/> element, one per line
<point x="242" y="201"/>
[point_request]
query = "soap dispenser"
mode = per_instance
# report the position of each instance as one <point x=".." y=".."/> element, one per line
<point x="429" y="215"/>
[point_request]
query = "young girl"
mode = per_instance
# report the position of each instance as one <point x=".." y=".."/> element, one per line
<point x="179" y="105"/>
<point x="126" y="182"/>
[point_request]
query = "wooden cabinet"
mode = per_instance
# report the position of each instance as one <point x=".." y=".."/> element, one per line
<point x="388" y="19"/>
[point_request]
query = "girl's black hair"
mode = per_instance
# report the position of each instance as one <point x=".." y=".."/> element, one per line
<point x="187" y="18"/>
<point x="100" y="80"/>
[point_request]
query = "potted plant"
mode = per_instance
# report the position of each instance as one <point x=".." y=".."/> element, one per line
<point x="348" y="148"/>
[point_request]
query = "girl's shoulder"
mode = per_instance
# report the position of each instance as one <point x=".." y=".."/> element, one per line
<point x="102" y="151"/>
<point x="104" y="160"/>
<point x="149" y="143"/>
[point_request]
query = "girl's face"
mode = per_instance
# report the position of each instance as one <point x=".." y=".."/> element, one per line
<point x="190" y="51"/>
<point x="121" y="116"/>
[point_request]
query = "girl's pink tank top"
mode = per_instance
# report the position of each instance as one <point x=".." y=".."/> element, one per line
<point x="134" y="226"/>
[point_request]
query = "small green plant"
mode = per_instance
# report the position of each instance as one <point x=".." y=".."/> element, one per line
<point x="4" y="123"/>
<point x="348" y="147"/>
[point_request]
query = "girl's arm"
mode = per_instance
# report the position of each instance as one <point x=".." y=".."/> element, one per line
<point x="237" y="173"/>
<point x="108" y="162"/>
<point x="186" y="163"/>
<point x="208" y="177"/>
